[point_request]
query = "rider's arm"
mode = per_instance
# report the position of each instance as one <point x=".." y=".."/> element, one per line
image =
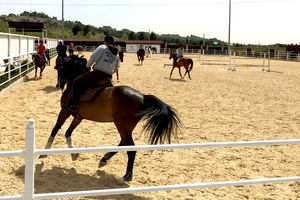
<point x="95" y="56"/>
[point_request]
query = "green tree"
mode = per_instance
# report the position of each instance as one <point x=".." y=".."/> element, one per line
<point x="86" y="29"/>
<point x="124" y="36"/>
<point x="141" y="36"/>
<point x="153" y="36"/>
<point x="76" y="28"/>
<point x="131" y="36"/>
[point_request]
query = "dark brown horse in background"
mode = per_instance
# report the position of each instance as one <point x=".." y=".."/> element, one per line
<point x="122" y="105"/>
<point x="187" y="63"/>
<point x="39" y="62"/>
<point x="121" y="57"/>
<point x="141" y="54"/>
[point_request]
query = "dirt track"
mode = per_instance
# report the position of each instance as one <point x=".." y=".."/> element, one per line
<point x="216" y="105"/>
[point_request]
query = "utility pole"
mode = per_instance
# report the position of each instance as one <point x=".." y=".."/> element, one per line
<point x="229" y="49"/>
<point x="62" y="30"/>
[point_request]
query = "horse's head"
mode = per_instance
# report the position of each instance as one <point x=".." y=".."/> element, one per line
<point x="121" y="55"/>
<point x="72" y="67"/>
<point x="172" y="55"/>
<point x="35" y="57"/>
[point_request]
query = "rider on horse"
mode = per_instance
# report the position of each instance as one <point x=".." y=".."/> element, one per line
<point x="179" y="52"/>
<point x="106" y="62"/>
<point x="61" y="51"/>
<point x="41" y="51"/>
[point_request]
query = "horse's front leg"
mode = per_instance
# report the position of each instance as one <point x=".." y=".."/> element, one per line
<point x="74" y="124"/>
<point x="35" y="73"/>
<point x="117" y="72"/>
<point x="41" y="71"/>
<point x="172" y="71"/>
<point x="62" y="117"/>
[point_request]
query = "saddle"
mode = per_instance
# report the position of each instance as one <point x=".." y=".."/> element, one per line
<point x="93" y="91"/>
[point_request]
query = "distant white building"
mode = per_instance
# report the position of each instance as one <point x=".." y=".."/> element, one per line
<point x="133" y="45"/>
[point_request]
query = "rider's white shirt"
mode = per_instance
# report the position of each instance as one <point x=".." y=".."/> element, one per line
<point x="104" y="60"/>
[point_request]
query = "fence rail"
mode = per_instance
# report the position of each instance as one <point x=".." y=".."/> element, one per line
<point x="30" y="152"/>
<point x="17" y="66"/>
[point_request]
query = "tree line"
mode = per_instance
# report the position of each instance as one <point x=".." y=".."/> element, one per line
<point x="75" y="29"/>
<point x="78" y="30"/>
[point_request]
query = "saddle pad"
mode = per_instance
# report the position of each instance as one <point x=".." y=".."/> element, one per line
<point x="92" y="92"/>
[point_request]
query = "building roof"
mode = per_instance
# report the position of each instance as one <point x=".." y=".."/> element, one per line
<point x="27" y="26"/>
<point x="116" y="40"/>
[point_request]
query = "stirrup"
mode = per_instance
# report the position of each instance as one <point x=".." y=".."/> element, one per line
<point x="70" y="107"/>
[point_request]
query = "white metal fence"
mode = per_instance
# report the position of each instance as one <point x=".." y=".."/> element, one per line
<point x="30" y="152"/>
<point x="15" y="55"/>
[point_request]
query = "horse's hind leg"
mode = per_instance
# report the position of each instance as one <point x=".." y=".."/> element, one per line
<point x="180" y="72"/>
<point x="187" y="72"/>
<point x="127" y="140"/>
<point x="63" y="115"/>
<point x="107" y="157"/>
<point x="74" y="124"/>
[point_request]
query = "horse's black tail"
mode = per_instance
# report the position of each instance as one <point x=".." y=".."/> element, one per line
<point x="192" y="63"/>
<point x="162" y="121"/>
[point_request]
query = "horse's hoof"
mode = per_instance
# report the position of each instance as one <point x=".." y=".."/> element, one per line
<point x="75" y="156"/>
<point x="127" y="177"/>
<point x="43" y="156"/>
<point x="102" y="164"/>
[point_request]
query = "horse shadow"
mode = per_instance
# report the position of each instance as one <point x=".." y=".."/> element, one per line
<point x="49" y="89"/>
<point x="27" y="79"/>
<point x="175" y="79"/>
<point x="137" y="65"/>
<point x="60" y="179"/>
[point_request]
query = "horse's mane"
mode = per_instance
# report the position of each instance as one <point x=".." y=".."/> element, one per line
<point x="75" y="65"/>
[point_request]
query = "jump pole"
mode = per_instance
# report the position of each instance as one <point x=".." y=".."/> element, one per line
<point x="229" y="54"/>
<point x="263" y="69"/>
<point x="269" y="63"/>
<point x="233" y="69"/>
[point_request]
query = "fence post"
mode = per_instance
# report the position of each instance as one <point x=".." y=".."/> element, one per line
<point x="298" y="57"/>
<point x="20" y="67"/>
<point x="27" y="71"/>
<point x="29" y="161"/>
<point x="9" y="68"/>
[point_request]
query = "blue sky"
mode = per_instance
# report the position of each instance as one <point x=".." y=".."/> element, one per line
<point x="252" y="21"/>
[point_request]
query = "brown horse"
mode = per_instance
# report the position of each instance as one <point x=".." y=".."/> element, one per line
<point x="122" y="105"/>
<point x="187" y="63"/>
<point x="80" y="49"/>
<point x="40" y="62"/>
<point x="140" y="54"/>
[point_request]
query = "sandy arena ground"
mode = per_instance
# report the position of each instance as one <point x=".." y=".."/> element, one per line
<point x="217" y="105"/>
